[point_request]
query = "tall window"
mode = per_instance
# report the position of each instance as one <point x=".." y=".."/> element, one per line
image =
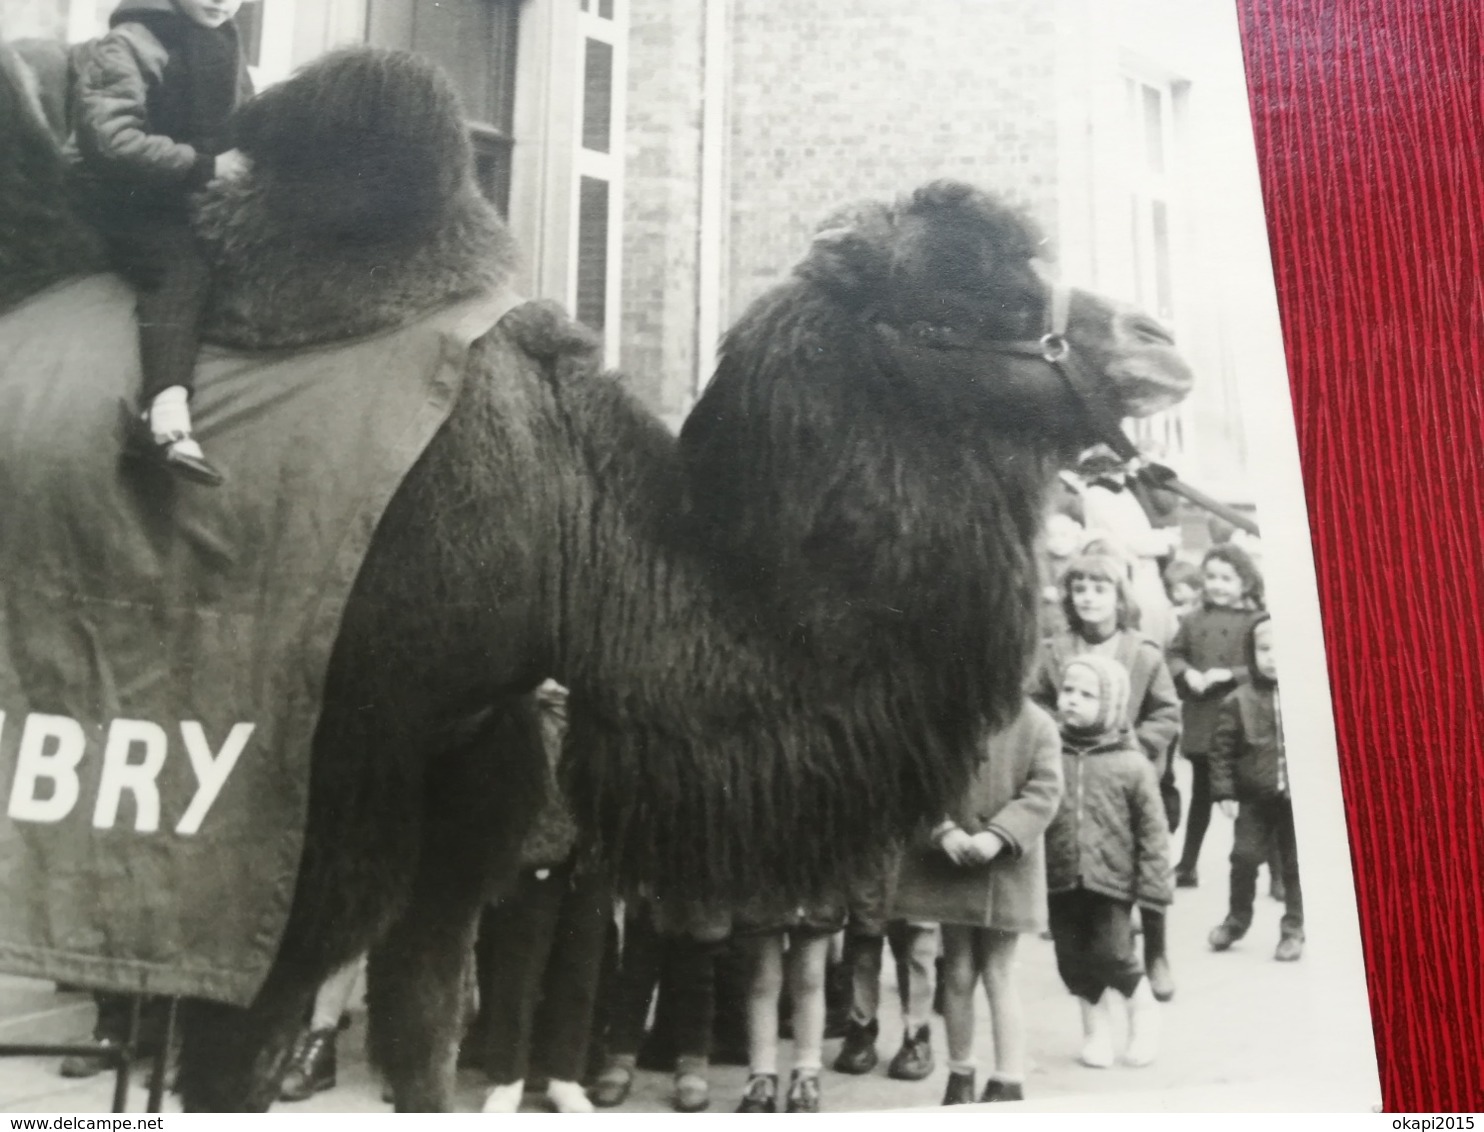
<point x="475" y="42"/>
<point x="597" y="247"/>
<point x="1152" y="156"/>
<point x="1151" y="110"/>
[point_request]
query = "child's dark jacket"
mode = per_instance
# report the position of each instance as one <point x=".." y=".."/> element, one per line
<point x="152" y="101"/>
<point x="1110" y="835"/>
<point x="1247" y="759"/>
<point x="1210" y="637"/>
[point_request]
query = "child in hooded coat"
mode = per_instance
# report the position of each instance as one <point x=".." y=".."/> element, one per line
<point x="1107" y="849"/>
<point x="1249" y="778"/>
<point x="1102" y="617"/>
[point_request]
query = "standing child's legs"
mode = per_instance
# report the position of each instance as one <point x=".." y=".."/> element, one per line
<point x="1291" y="945"/>
<point x="1156" y="958"/>
<point x="1250" y="839"/>
<point x="916" y="948"/>
<point x="765" y="964"/>
<point x="1006" y="1014"/>
<point x="629" y="995"/>
<point x="808" y="955"/>
<point x="862" y="959"/>
<point x="960" y="976"/>
<point x="1197" y="820"/>
<point x="312" y="1066"/>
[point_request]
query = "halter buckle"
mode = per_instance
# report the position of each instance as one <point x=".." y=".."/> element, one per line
<point x="1054" y="347"/>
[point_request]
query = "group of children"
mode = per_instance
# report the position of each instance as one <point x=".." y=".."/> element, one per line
<point x="1068" y="825"/>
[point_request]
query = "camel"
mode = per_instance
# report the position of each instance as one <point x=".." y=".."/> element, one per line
<point x="785" y="631"/>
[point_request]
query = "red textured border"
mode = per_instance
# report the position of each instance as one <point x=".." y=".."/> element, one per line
<point x="1369" y="118"/>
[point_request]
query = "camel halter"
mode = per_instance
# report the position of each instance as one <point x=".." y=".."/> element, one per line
<point x="1055" y="350"/>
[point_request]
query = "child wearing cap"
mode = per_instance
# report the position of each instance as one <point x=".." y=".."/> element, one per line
<point x="1107" y="849"/>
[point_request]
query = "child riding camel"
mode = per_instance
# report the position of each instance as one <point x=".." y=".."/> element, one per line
<point x="153" y="100"/>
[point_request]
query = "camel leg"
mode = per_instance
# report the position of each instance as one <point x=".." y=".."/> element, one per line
<point x="232" y="1059"/>
<point x="477" y="805"/>
<point x="415" y="999"/>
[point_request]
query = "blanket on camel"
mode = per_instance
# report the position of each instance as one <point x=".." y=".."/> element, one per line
<point x="163" y="646"/>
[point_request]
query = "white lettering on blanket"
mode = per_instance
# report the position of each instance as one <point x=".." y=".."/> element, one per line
<point x="52" y="747"/>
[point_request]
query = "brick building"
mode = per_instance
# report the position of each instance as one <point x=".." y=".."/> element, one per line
<point x="664" y="161"/>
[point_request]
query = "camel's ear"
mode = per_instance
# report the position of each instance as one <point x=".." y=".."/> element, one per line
<point x="851" y="252"/>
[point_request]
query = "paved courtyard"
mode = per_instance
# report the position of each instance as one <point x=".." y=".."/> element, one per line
<point x="1243" y="1033"/>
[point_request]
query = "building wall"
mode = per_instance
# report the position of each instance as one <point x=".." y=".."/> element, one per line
<point x="838" y="100"/>
<point x="1218" y="268"/>
<point x="662" y="202"/>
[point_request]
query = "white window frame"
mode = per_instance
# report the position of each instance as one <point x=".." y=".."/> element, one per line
<point x="607" y="167"/>
<point x="276" y="48"/>
<point x="1166" y="432"/>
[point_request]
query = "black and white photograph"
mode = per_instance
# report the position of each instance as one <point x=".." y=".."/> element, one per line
<point x="655" y="555"/>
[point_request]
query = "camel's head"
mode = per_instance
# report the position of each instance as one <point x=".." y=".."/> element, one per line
<point x="951" y="283"/>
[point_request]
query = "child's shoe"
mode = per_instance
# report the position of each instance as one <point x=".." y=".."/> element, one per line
<point x="1186" y="877"/>
<point x="169" y="420"/>
<point x="504" y="1098"/>
<point x="1143" y="1027"/>
<point x="1097" y="1032"/>
<point x="960" y="1088"/>
<point x="914" y="1060"/>
<point x="567" y="1096"/>
<point x="761" y="1094"/>
<point x="311" y="1066"/>
<point x="1224" y="934"/>
<point x="997" y="1090"/>
<point x="612" y="1087"/>
<point x="1290" y="948"/>
<point x="858" y="1053"/>
<point x="692" y="1093"/>
<point x="803" y="1091"/>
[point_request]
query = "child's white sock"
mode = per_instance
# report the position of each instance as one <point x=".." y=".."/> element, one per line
<point x="170" y="413"/>
<point x="1097" y="1029"/>
<point x="1143" y="1026"/>
<point x="504" y="1098"/>
<point x="568" y="1096"/>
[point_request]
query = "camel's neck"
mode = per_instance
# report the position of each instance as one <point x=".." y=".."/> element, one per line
<point x="749" y="719"/>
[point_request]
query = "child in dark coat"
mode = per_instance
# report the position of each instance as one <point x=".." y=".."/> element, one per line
<point x="1206" y="660"/>
<point x="1249" y="777"/>
<point x="154" y="97"/>
<point x="1107" y="849"/>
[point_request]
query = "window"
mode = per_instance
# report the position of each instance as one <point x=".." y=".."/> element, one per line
<point x="1151" y="110"/>
<point x="597" y="248"/>
<point x="475" y="42"/>
<point x="1150" y="120"/>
